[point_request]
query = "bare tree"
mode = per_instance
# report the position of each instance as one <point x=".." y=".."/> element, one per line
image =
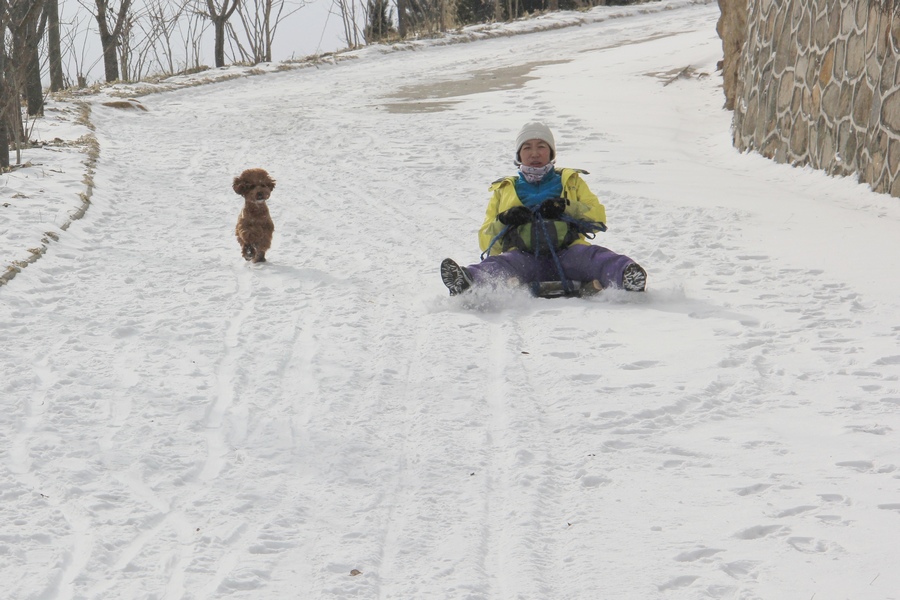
<point x="147" y="39"/>
<point x="126" y="48"/>
<point x="110" y="32"/>
<point x="24" y="19"/>
<point x="143" y="49"/>
<point x="219" y="17"/>
<point x="189" y="32"/>
<point x="163" y="19"/>
<point x="7" y="94"/>
<point x="260" y="19"/>
<point x="74" y="41"/>
<point x="349" y="17"/>
<point x="191" y="37"/>
<point x="20" y="19"/>
<point x="54" y="45"/>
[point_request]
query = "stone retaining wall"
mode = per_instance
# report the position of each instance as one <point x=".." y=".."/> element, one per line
<point x="732" y="28"/>
<point x="817" y="84"/>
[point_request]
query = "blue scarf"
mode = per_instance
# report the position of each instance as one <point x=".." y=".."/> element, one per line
<point x="532" y="194"/>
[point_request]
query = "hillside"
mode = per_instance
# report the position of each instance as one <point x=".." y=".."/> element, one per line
<point x="331" y="425"/>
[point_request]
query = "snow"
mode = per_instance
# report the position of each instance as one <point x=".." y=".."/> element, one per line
<point x="178" y="423"/>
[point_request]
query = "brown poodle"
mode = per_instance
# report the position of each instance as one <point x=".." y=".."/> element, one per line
<point x="254" y="227"/>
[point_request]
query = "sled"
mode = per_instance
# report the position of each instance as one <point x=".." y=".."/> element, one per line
<point x="556" y="289"/>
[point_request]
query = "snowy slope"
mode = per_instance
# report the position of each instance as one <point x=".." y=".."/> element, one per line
<point x="180" y="424"/>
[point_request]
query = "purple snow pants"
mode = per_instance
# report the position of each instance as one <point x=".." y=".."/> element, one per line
<point x="580" y="262"/>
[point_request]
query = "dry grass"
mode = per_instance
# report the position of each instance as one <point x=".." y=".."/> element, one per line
<point x="92" y="150"/>
<point x="130" y="104"/>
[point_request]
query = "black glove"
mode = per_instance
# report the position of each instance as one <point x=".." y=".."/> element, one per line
<point x="515" y="216"/>
<point x="552" y="208"/>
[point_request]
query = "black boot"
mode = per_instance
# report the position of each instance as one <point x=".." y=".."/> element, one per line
<point x="634" y="279"/>
<point x="456" y="278"/>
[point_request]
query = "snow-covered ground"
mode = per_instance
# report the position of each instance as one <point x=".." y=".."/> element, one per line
<point x="178" y="423"/>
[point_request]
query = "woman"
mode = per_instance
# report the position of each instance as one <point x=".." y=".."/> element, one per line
<point x="537" y="225"/>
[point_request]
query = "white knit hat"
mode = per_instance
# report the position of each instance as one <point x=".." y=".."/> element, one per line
<point x="535" y="131"/>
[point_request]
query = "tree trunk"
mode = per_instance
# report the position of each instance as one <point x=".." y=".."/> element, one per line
<point x="219" y="19"/>
<point x="26" y="67"/>
<point x="107" y="43"/>
<point x="4" y="142"/>
<point x="54" y="50"/>
<point x="268" y="31"/>
<point x="219" y="53"/>
<point x="401" y="18"/>
<point x="109" y="39"/>
<point x="110" y="59"/>
<point x="5" y="92"/>
<point x="34" y="92"/>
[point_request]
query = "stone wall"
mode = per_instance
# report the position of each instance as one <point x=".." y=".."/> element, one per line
<point x="818" y="84"/>
<point x="732" y="28"/>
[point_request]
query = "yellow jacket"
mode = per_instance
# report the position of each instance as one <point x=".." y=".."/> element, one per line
<point x="582" y="205"/>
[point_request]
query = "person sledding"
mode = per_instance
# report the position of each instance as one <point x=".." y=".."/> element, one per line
<point x="537" y="228"/>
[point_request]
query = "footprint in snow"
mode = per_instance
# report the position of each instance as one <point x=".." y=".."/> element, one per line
<point x="699" y="553"/>
<point x="677" y="583"/>
<point x="888" y="360"/>
<point x="641" y="364"/>
<point x="752" y="489"/>
<point x="797" y="510"/>
<point x="741" y="568"/>
<point x="758" y="531"/>
<point x="873" y="429"/>
<point x="835" y="499"/>
<point x="863" y="466"/>
<point x="808" y="545"/>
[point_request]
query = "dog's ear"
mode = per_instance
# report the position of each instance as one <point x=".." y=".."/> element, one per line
<point x="238" y="186"/>
<point x="271" y="184"/>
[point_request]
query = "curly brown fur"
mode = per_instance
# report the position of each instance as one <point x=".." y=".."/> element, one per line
<point x="254" y="227"/>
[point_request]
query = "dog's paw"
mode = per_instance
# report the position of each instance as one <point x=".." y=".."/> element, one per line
<point x="248" y="252"/>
